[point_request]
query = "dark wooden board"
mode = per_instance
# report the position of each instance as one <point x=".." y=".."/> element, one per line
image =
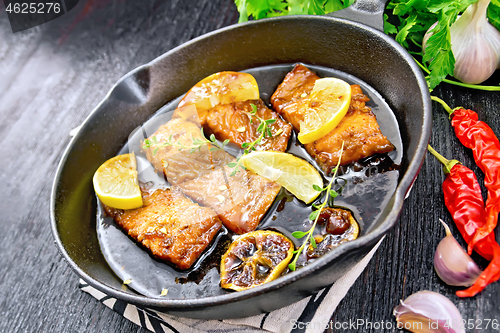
<point x="53" y="75"/>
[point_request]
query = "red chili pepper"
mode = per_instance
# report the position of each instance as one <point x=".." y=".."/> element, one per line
<point x="489" y="275"/>
<point x="462" y="197"/>
<point x="479" y="137"/>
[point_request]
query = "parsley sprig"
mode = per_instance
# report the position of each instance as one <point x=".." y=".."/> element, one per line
<point x="194" y="146"/>
<point x="258" y="9"/>
<point x="410" y="20"/>
<point x="314" y="216"/>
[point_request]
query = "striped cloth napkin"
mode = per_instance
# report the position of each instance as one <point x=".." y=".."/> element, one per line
<point x="311" y="314"/>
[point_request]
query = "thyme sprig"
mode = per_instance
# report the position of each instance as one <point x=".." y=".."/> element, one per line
<point x="264" y="129"/>
<point x="314" y="216"/>
<point x="194" y="146"/>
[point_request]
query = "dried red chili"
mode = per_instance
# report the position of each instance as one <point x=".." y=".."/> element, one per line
<point x="489" y="275"/>
<point x="462" y="197"/>
<point x="478" y="136"/>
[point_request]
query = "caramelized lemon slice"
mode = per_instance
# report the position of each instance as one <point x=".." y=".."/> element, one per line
<point x="116" y="183"/>
<point x="219" y="88"/>
<point x="291" y="172"/>
<point x="255" y="258"/>
<point x="328" y="104"/>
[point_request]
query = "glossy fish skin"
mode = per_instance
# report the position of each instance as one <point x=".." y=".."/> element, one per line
<point x="358" y="129"/>
<point x="232" y="122"/>
<point x="170" y="226"/>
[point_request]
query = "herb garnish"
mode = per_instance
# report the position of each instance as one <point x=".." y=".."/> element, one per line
<point x="315" y="215"/>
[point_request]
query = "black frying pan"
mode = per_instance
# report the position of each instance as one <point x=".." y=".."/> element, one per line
<point x="347" y="46"/>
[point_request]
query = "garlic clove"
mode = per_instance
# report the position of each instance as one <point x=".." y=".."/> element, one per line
<point x="428" y="311"/>
<point x="475" y="44"/>
<point x="452" y="264"/>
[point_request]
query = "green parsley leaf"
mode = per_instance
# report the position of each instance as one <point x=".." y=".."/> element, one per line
<point x="438" y="52"/>
<point x="403" y="32"/>
<point x="258" y="9"/>
<point x="494" y="13"/>
<point x="389" y="28"/>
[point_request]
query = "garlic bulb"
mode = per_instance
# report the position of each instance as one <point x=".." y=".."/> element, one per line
<point x="475" y="44"/>
<point x="452" y="264"/>
<point x="428" y="311"/>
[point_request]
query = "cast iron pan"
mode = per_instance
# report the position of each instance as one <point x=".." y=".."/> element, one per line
<point x="353" y="48"/>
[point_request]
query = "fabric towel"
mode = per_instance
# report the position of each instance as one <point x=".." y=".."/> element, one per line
<point x="309" y="315"/>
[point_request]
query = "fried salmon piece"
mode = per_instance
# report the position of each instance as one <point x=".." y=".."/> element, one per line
<point x="240" y="200"/>
<point x="361" y="135"/>
<point x="170" y="226"/>
<point x="358" y="129"/>
<point x="184" y="164"/>
<point x="232" y="122"/>
<point x="292" y="96"/>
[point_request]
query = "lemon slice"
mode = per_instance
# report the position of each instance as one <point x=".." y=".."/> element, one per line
<point x="255" y="258"/>
<point x="219" y="88"/>
<point x="116" y="183"/>
<point x="328" y="104"/>
<point x="291" y="172"/>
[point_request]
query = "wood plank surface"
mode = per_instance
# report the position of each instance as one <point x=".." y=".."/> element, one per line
<point x="52" y="76"/>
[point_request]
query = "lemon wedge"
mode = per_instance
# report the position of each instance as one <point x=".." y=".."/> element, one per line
<point x="116" y="183"/>
<point x="291" y="172"/>
<point x="219" y="88"/>
<point x="328" y="103"/>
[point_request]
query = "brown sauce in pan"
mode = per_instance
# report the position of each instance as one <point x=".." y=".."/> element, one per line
<point x="368" y="186"/>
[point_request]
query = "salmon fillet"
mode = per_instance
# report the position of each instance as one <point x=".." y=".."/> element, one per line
<point x="240" y="200"/>
<point x="358" y="130"/>
<point x="290" y="98"/>
<point x="170" y="226"/>
<point x="234" y="123"/>
<point x="194" y="164"/>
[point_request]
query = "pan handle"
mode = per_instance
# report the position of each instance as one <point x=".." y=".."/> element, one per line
<point x="369" y="12"/>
